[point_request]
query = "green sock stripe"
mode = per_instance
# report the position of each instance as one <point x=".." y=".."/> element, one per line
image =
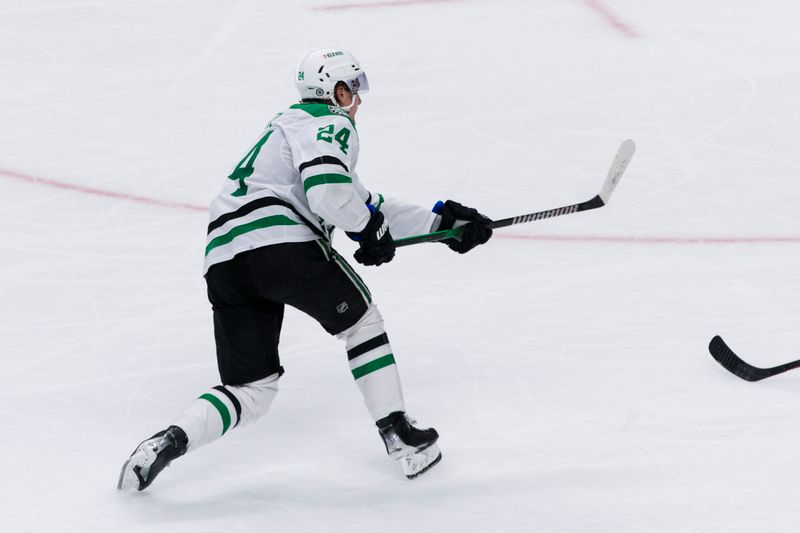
<point x="223" y="410"/>
<point x="374" y="365"/>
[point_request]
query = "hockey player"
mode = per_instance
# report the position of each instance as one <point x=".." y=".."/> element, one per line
<point x="269" y="244"/>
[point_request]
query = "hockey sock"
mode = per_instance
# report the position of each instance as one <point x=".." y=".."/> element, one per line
<point x="373" y="366"/>
<point x="224" y="407"/>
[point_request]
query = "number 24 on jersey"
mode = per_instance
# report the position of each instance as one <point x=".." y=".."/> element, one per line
<point x="325" y="133"/>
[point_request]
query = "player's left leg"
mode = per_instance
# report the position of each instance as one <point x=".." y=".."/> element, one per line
<point x="246" y="330"/>
<point x="204" y="420"/>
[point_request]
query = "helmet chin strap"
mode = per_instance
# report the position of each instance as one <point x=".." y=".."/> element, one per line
<point x="345" y="107"/>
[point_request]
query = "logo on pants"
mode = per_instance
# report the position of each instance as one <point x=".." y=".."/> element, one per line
<point x="342" y="307"/>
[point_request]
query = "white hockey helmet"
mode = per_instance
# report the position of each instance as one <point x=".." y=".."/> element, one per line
<point x="320" y="70"/>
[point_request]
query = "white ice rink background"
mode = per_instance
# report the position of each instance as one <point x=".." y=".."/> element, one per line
<point x="564" y="364"/>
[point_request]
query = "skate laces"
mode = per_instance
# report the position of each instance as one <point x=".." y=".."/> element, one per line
<point x="411" y="425"/>
<point x="177" y="439"/>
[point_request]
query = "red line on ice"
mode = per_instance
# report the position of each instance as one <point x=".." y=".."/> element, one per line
<point x="553" y="238"/>
<point x="656" y="240"/>
<point x="385" y="3"/>
<point x="99" y="192"/>
<point x="611" y="18"/>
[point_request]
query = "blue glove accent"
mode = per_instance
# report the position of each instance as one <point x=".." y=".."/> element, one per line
<point x="357" y="236"/>
<point x="438" y="207"/>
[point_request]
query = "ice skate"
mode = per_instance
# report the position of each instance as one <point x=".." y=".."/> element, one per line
<point x="151" y="457"/>
<point x="415" y="448"/>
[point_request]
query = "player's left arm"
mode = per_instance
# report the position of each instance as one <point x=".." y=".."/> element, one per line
<point x="406" y="219"/>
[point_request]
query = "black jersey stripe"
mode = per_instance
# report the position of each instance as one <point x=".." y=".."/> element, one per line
<point x="323" y="160"/>
<point x="267" y="201"/>
<point x="234" y="401"/>
<point x="366" y="346"/>
<point x="248" y="208"/>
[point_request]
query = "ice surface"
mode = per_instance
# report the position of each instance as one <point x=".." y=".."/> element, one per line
<point x="564" y="364"/>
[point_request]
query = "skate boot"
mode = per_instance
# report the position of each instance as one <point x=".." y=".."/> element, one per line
<point x="415" y="448"/>
<point x="151" y="457"/>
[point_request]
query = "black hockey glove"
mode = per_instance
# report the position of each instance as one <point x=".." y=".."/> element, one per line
<point x="376" y="245"/>
<point x="475" y="231"/>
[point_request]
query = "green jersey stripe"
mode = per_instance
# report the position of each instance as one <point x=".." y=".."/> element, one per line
<point x="373" y="365"/>
<point x="274" y="220"/>
<point x="324" y="179"/>
<point x="223" y="410"/>
<point x="246" y="209"/>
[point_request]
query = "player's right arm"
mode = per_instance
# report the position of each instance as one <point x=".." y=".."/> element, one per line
<point x="323" y="155"/>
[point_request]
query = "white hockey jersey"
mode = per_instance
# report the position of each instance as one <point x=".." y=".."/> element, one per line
<point x="296" y="184"/>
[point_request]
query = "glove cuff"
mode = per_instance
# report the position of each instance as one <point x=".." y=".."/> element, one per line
<point x="446" y="218"/>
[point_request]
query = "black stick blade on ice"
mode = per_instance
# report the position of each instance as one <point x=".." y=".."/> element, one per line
<point x="734" y="364"/>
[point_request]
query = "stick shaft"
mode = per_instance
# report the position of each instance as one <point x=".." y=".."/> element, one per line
<point x="594" y="203"/>
<point x="618" y="166"/>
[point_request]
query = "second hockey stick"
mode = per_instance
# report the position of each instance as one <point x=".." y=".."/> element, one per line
<point x="618" y="166"/>
<point x="734" y="364"/>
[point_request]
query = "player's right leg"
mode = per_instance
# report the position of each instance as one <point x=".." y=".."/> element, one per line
<point x="372" y="364"/>
<point x="415" y="448"/>
<point x="334" y="295"/>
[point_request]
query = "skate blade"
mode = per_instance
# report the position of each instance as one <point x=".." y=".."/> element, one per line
<point x="417" y="464"/>
<point x="143" y="457"/>
<point x="127" y="479"/>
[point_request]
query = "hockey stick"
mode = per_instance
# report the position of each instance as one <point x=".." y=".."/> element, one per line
<point x="618" y="166"/>
<point x="725" y="356"/>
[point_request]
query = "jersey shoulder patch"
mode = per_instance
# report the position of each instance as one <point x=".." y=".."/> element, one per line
<point x="316" y="109"/>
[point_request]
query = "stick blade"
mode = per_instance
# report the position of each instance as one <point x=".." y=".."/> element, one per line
<point x="733" y="363"/>
<point x="618" y="166"/>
